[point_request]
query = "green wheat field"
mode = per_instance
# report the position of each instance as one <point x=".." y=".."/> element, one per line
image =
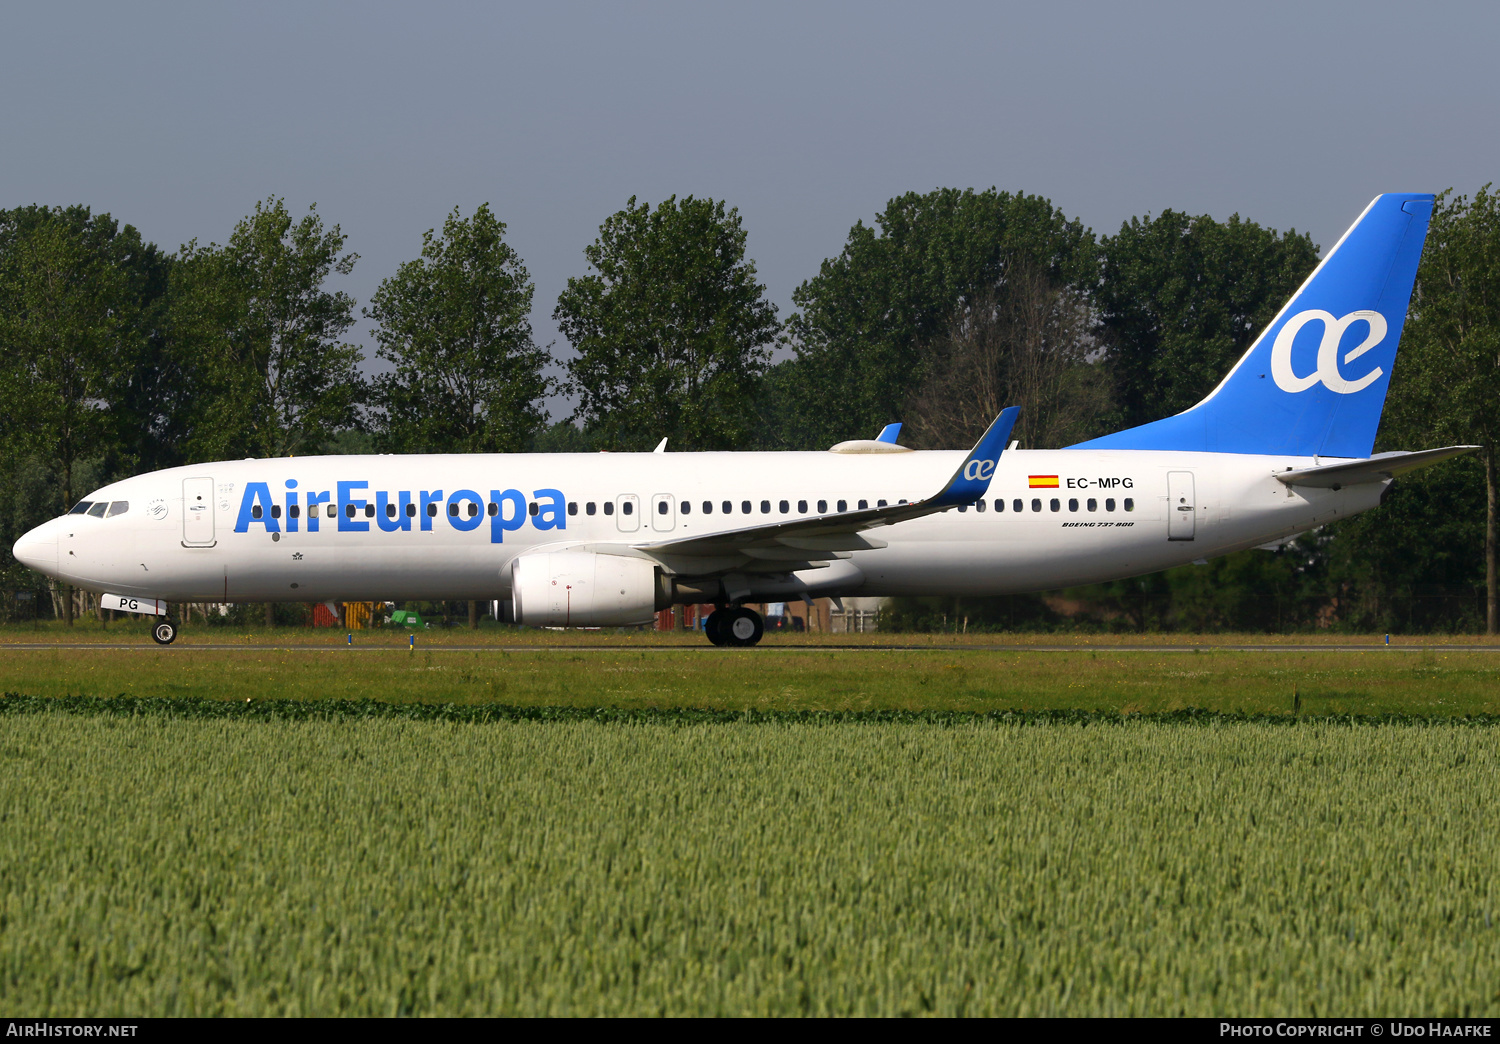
<point x="782" y="833"/>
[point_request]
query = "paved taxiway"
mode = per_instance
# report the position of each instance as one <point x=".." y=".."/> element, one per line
<point x="706" y="648"/>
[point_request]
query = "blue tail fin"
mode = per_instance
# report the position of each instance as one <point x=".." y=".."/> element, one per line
<point x="1314" y="382"/>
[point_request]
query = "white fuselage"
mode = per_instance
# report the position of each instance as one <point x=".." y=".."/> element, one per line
<point x="176" y="544"/>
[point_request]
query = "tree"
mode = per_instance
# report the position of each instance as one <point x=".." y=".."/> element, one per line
<point x="1180" y="298"/>
<point x="1024" y="340"/>
<point x="1451" y="351"/>
<point x="260" y="337"/>
<point x="672" y="331"/>
<point x="866" y="319"/>
<point x="77" y="292"/>
<point x="456" y="325"/>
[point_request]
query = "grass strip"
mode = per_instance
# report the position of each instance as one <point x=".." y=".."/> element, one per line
<point x="197" y="708"/>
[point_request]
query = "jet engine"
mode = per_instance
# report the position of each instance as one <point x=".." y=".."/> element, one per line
<point x="583" y="589"/>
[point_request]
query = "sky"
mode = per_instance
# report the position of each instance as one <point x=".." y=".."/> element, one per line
<point x="806" y="116"/>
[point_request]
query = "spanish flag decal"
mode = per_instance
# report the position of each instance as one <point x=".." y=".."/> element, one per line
<point x="1043" y="481"/>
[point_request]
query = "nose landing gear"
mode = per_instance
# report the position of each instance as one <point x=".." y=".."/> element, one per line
<point x="734" y="626"/>
<point x="163" y="632"/>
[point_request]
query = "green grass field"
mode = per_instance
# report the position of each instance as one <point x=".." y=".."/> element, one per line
<point x="1434" y="682"/>
<point x="162" y="864"/>
<point x="608" y="831"/>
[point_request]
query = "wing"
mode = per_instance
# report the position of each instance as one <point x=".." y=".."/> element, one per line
<point x="807" y="543"/>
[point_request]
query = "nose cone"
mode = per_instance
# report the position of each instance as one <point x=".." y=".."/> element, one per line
<point x="38" y="548"/>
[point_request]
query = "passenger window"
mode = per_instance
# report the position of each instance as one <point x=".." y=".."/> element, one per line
<point x="727" y="508"/>
<point x="534" y="507"/>
<point x="765" y="507"/>
<point x="1109" y="505"/>
<point x="411" y="511"/>
<point x="1129" y="504"/>
<point x="332" y="511"/>
<point x="452" y="510"/>
<point x="978" y="505"/>
<point x="83" y="506"/>
<point x="296" y="512"/>
<point x="431" y="510"/>
<point x="119" y="507"/>
<point x="784" y="507"/>
<point x="494" y="509"/>
<point x="369" y="511"/>
<point x="1072" y="504"/>
<point x="801" y="507"/>
<point x="880" y="503"/>
<point x="686" y="507"/>
<point x="609" y="509"/>
<point x="255" y="511"/>
<point x="661" y="507"/>
<point x="627" y="508"/>
<point x="1036" y="505"/>
<point x="1093" y="504"/>
<point x="1056" y="504"/>
<point x="708" y="507"/>
<point x="390" y="511"/>
<point x="572" y="507"/>
<point x="1016" y="506"/>
<point x="473" y="509"/>
<point x="822" y="507"/>
<point x="843" y="505"/>
<point x="963" y="508"/>
<point x="999" y="505"/>
<point x="744" y="507"/>
<point x="349" y="511"/>
<point x="588" y="509"/>
<point x="864" y="505"/>
<point x="275" y="511"/>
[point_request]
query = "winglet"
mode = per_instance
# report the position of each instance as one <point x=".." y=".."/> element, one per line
<point x="889" y="433"/>
<point x="972" y="479"/>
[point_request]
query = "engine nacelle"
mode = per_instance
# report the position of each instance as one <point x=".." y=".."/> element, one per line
<point x="582" y="589"/>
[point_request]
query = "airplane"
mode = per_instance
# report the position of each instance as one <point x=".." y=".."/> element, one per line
<point x="1282" y="445"/>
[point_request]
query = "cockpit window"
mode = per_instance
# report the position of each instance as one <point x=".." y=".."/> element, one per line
<point x="117" y="507"/>
<point x="81" y="507"/>
<point x="97" y="511"/>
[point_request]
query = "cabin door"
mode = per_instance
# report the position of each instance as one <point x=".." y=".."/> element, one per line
<point x="198" y="512"/>
<point x="1181" y="506"/>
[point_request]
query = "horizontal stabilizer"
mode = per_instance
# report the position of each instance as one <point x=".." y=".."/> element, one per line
<point x="1379" y="468"/>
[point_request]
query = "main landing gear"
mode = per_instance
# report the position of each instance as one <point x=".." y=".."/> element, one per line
<point x="164" y="632"/>
<point x="734" y="626"/>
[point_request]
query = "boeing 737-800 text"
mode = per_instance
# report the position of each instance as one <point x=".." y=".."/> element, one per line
<point x="1282" y="445"/>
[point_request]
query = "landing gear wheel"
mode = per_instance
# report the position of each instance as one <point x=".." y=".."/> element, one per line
<point x="713" y="626"/>
<point x="744" y="628"/>
<point x="164" y="632"/>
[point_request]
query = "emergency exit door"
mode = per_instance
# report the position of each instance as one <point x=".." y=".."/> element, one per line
<point x="664" y="512"/>
<point x="198" y="512"/>
<point x="627" y="517"/>
<point x="1181" y="506"/>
